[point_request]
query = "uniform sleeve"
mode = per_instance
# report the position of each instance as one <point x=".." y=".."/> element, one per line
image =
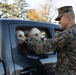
<point x="55" y="44"/>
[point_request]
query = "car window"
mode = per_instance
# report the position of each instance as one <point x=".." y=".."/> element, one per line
<point x="28" y="32"/>
<point x="57" y="31"/>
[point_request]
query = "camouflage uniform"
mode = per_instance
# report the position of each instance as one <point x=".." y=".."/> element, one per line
<point x="65" y="45"/>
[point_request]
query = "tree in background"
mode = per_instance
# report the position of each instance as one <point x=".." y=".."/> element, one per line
<point x="38" y="15"/>
<point x="8" y="11"/>
<point x="52" y="10"/>
<point x="44" y="13"/>
<point x="21" y="5"/>
<point x="15" y="10"/>
<point x="32" y="14"/>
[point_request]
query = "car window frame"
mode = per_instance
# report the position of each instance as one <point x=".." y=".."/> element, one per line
<point x="13" y="29"/>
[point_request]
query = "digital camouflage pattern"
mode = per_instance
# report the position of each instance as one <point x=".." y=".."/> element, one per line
<point x="65" y="46"/>
<point x="63" y="10"/>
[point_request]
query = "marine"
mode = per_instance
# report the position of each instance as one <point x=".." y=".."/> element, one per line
<point x="64" y="43"/>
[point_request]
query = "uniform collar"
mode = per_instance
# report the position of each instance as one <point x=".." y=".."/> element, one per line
<point x="73" y="25"/>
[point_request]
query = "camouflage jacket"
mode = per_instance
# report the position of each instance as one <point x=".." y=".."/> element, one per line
<point x="65" y="45"/>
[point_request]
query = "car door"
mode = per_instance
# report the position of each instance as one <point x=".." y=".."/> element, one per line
<point x="34" y="64"/>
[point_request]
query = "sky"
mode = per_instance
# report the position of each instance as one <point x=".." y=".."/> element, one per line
<point x="58" y="3"/>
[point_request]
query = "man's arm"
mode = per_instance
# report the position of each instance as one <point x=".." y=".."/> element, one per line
<point x="49" y="45"/>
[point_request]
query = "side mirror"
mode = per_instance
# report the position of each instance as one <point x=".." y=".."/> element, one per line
<point x="2" y="68"/>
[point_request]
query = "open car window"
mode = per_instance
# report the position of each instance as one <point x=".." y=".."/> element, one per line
<point x="27" y="32"/>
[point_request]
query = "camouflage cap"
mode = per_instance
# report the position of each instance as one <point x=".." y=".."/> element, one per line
<point x="63" y="10"/>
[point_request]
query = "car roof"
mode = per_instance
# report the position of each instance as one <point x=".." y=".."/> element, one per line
<point x="10" y="20"/>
